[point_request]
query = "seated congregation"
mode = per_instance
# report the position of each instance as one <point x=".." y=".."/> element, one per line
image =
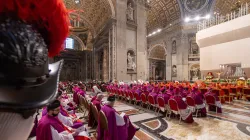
<point x="60" y="119"/>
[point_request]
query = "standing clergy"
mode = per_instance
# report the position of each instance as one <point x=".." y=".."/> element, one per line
<point x="119" y="127"/>
<point x="51" y="128"/>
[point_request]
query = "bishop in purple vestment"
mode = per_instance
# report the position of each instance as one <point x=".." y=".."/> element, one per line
<point x="185" y="112"/>
<point x="51" y="128"/>
<point x="97" y="103"/>
<point x="115" y="131"/>
<point x="217" y="102"/>
<point x="199" y="102"/>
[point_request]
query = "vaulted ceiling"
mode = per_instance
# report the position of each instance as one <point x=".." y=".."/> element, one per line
<point x="161" y="13"/>
<point x="94" y="13"/>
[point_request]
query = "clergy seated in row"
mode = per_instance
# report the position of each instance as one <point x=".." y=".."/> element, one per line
<point x="68" y="103"/>
<point x="199" y="102"/>
<point x="96" y="91"/>
<point x="51" y="128"/>
<point x="119" y="126"/>
<point x="77" y="90"/>
<point x="97" y="103"/>
<point x="66" y="118"/>
<point x="217" y="105"/>
<point x="185" y="112"/>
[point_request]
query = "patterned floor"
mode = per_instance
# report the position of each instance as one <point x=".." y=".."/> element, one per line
<point x="232" y="124"/>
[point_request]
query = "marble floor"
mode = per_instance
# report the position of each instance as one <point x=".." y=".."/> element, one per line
<point x="232" y="124"/>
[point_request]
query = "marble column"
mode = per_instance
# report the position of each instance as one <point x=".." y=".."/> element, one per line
<point x="105" y="64"/>
<point x="96" y="67"/>
<point x="153" y="75"/>
<point x="119" y="50"/>
<point x="141" y="17"/>
<point x="184" y="46"/>
<point x="168" y="61"/>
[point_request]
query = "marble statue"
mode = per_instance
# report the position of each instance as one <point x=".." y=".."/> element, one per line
<point x="195" y="73"/>
<point x="174" y="71"/>
<point x="130" y="12"/>
<point x="131" y="64"/>
<point x="174" y="47"/>
<point x="194" y="47"/>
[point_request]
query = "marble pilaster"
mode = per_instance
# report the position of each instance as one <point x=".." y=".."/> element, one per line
<point x="120" y="58"/>
<point x="141" y="42"/>
<point x="105" y="64"/>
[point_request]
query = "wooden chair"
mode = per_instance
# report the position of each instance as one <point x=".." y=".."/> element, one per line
<point x="82" y="103"/>
<point x="94" y="111"/>
<point x="127" y="95"/>
<point x="161" y="105"/>
<point x="144" y="100"/>
<point x="203" y="91"/>
<point x="137" y="98"/>
<point x="210" y="100"/>
<point x="233" y="92"/>
<point x="174" y="108"/>
<point x="246" y="93"/>
<point x="191" y="103"/>
<point x="227" y="94"/>
<point x="131" y="96"/>
<point x="151" y="102"/>
<point x="86" y="105"/>
<point x="103" y="120"/>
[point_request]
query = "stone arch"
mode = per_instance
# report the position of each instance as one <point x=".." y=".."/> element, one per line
<point x="75" y="37"/>
<point x="92" y="29"/>
<point x="153" y="50"/>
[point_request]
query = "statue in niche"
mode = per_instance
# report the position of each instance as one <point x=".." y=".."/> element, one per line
<point x="194" y="48"/>
<point x="195" y="73"/>
<point x="174" y="71"/>
<point x="174" y="47"/>
<point x="130" y="62"/>
<point x="130" y="12"/>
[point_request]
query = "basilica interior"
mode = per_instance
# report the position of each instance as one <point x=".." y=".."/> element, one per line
<point x="163" y="41"/>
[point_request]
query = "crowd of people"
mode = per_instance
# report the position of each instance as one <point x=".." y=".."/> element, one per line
<point x="174" y="91"/>
<point x="60" y="121"/>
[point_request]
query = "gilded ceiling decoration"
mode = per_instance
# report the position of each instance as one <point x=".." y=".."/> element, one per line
<point x="94" y="13"/>
<point x="162" y="13"/>
<point x="224" y="7"/>
<point x="158" y="52"/>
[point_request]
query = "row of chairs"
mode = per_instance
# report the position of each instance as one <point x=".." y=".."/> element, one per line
<point x="149" y="101"/>
<point x="230" y="93"/>
<point x="86" y="106"/>
<point x="143" y="100"/>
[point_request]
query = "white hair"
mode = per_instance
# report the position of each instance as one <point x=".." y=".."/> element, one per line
<point x="96" y="90"/>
